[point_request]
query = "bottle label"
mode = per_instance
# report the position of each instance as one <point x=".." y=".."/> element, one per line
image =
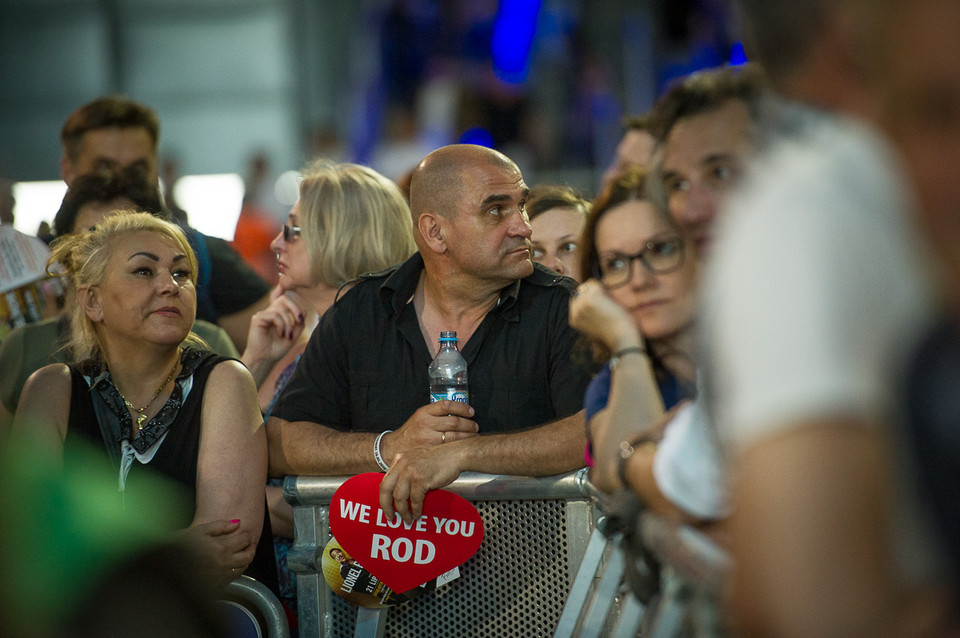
<point x="450" y="394"/>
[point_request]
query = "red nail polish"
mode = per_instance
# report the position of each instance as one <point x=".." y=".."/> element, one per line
<point x="236" y="520"/>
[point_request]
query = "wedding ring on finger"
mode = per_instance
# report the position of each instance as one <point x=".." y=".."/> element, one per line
<point x="443" y="437"/>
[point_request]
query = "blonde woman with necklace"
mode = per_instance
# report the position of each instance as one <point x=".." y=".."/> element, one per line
<point x="146" y="392"/>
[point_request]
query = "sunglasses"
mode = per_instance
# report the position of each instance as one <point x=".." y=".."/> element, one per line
<point x="290" y="232"/>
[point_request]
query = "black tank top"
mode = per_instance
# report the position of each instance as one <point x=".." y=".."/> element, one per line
<point x="175" y="459"/>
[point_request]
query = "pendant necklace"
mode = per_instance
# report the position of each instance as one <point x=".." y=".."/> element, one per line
<point x="141" y="417"/>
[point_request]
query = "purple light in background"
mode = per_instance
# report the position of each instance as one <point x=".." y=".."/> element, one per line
<point x="512" y="40"/>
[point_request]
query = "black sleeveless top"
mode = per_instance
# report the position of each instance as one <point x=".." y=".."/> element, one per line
<point x="175" y="458"/>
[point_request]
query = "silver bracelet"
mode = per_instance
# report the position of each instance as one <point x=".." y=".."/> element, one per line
<point x="376" y="451"/>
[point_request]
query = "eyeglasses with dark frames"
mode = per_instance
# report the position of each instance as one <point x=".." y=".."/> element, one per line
<point x="659" y="256"/>
<point x="290" y="232"/>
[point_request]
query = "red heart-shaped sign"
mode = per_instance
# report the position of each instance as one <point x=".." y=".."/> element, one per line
<point x="403" y="556"/>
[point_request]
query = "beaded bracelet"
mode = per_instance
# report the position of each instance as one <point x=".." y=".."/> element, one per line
<point x="376" y="451"/>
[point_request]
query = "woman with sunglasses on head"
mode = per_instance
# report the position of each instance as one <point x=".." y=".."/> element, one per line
<point x="638" y="309"/>
<point x="349" y="220"/>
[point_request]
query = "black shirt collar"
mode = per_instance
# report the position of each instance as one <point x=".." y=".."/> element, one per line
<point x="397" y="290"/>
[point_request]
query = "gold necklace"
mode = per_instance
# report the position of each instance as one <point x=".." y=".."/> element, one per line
<point x="141" y="417"/>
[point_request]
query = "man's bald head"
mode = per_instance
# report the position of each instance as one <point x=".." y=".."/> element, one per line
<point x="440" y="179"/>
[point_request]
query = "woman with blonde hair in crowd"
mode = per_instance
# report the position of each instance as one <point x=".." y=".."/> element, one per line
<point x="349" y="220"/>
<point x="148" y="394"/>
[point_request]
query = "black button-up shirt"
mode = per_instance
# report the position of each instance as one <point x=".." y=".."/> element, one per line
<point x="365" y="367"/>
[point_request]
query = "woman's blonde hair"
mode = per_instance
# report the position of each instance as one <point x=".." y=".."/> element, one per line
<point x="83" y="256"/>
<point x="354" y="220"/>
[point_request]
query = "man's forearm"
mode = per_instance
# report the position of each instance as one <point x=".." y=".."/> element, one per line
<point x="549" y="449"/>
<point x="301" y="447"/>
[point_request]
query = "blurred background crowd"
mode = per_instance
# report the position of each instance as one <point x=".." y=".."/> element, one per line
<point x="257" y="87"/>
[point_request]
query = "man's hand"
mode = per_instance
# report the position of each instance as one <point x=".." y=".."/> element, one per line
<point x="413" y="474"/>
<point x="420" y="460"/>
<point x="431" y="425"/>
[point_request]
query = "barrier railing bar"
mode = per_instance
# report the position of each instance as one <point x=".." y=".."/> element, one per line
<point x="371" y="623"/>
<point x="248" y="589"/>
<point x="583" y="583"/>
<point x="311" y="496"/>
<point x="473" y="486"/>
<point x="630" y="616"/>
<point x="605" y="596"/>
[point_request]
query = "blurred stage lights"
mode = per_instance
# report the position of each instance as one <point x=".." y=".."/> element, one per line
<point x="212" y="202"/>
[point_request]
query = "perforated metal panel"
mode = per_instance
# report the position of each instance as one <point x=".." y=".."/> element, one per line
<point x="514" y="586"/>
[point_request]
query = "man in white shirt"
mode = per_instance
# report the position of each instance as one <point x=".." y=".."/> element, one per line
<point x="817" y="291"/>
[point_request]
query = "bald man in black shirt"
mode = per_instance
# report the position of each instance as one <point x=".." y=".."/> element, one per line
<point x="362" y="382"/>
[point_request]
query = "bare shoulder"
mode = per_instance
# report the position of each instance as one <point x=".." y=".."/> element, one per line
<point x="45" y="400"/>
<point x="230" y="395"/>
<point x="230" y="372"/>
<point x="49" y="381"/>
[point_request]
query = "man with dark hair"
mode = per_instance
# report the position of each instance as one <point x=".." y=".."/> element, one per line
<point x="358" y="401"/>
<point x="706" y="130"/>
<point x="635" y="148"/>
<point x="30" y="347"/>
<point x="109" y="191"/>
<point x="109" y="134"/>
<point x="114" y="133"/>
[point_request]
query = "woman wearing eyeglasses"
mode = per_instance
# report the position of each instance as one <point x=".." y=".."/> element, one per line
<point x="349" y="220"/>
<point x="638" y="308"/>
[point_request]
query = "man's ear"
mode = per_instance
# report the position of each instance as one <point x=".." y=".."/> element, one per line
<point x="66" y="169"/>
<point x="89" y="300"/>
<point x="432" y="229"/>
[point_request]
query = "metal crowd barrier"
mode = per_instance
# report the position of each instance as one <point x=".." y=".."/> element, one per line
<point x="259" y="606"/>
<point x="535" y="534"/>
<point x="692" y="571"/>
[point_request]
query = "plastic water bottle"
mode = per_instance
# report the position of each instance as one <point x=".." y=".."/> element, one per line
<point x="448" y="372"/>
